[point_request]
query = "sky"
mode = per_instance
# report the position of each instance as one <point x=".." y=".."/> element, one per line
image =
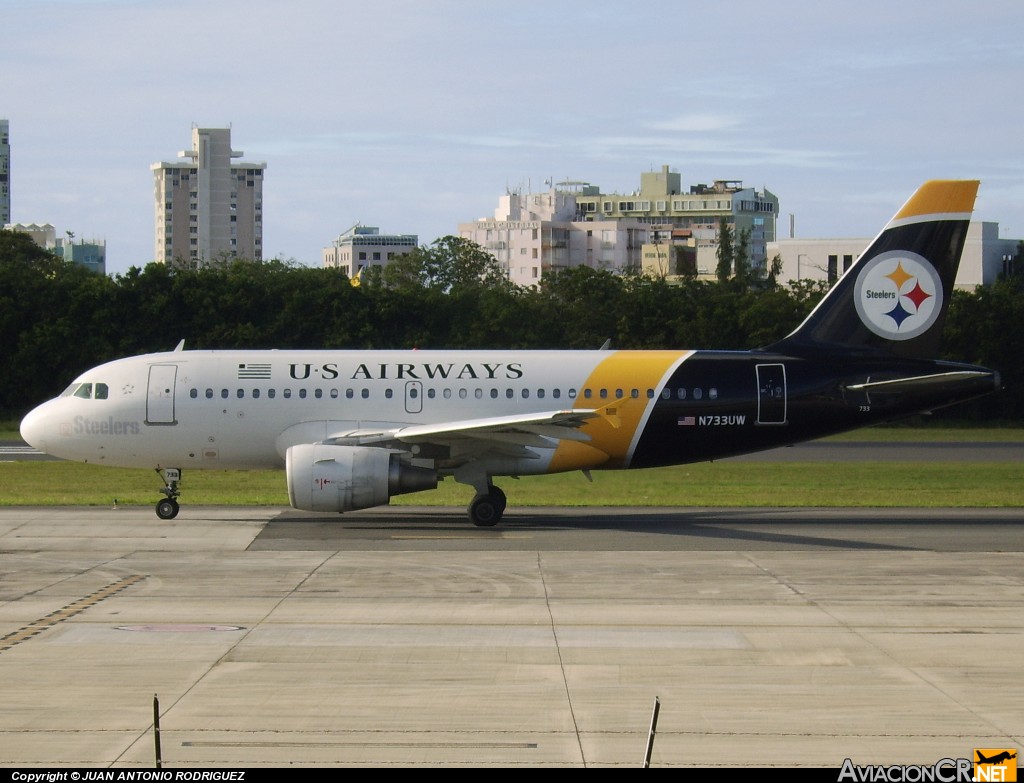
<point x="418" y="116"/>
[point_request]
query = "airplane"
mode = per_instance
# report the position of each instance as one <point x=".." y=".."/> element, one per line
<point x="996" y="759"/>
<point x="354" y="428"/>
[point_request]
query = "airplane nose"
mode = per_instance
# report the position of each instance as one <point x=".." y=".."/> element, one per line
<point x="33" y="429"/>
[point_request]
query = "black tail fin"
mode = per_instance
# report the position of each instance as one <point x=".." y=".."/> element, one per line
<point x="894" y="298"/>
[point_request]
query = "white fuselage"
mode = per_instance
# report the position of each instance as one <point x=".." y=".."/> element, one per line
<point x="243" y="409"/>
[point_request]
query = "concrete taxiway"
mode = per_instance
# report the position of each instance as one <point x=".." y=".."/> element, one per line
<point x="404" y="636"/>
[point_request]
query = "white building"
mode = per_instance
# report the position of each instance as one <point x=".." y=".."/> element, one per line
<point x="534" y="233"/>
<point x="363" y="246"/>
<point x="92" y="254"/>
<point x="208" y="208"/>
<point x="985" y="256"/>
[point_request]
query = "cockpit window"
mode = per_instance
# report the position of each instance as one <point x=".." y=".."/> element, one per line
<point x="87" y="391"/>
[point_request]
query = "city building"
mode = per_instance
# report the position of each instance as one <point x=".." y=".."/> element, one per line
<point x="91" y="254"/>
<point x="659" y="228"/>
<point x="985" y="256"/>
<point x="535" y="233"/>
<point x="662" y="202"/>
<point x="208" y="208"/>
<point x="5" y="172"/>
<point x="364" y="246"/>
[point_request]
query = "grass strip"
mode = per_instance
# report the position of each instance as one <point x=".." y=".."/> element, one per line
<point x="722" y="484"/>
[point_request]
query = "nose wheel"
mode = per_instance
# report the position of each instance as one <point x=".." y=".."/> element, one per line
<point x="168" y="507"/>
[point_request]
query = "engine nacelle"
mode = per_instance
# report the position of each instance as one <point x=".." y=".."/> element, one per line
<point x="345" y="478"/>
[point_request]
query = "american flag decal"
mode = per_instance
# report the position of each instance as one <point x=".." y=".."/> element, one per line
<point x="249" y="372"/>
<point x="687" y="421"/>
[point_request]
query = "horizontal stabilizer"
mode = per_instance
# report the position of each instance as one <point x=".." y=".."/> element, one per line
<point x="934" y="382"/>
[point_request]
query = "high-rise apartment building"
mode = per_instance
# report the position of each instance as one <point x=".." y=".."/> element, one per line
<point x="208" y="208"/>
<point x="5" y="172"/>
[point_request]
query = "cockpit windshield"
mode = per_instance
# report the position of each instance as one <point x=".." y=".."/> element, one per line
<point x="87" y="391"/>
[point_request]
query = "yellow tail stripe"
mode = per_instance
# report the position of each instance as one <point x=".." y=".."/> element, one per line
<point x="613" y="433"/>
<point x="941" y="197"/>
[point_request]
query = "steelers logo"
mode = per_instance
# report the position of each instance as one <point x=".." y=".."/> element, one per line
<point x="898" y="295"/>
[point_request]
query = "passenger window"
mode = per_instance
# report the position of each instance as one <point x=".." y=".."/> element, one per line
<point x="431" y="394"/>
<point x="239" y="393"/>
<point x="193" y="393"/>
<point x="479" y="394"/>
<point x="587" y="394"/>
<point x="209" y="394"/>
<point x="334" y="394"/>
<point x="224" y="394"/>
<point x="713" y="393"/>
<point x="388" y="393"/>
<point x="494" y="394"/>
<point x="526" y="394"/>
<point x="556" y="393"/>
<point x="318" y="393"/>
<point x="287" y="394"/>
<point x="447" y="394"/>
<point x="510" y="393"/>
<point x="681" y="394"/>
<point x="666" y="393"/>
<point x="619" y="394"/>
<point x="604" y="394"/>
<point x="302" y="394"/>
<point x="540" y="394"/>
<point x="271" y="393"/>
<point x="349" y="394"/>
<point x="572" y="394"/>
<point x="462" y="394"/>
<point x="255" y="394"/>
<point x="365" y="394"/>
<point x="697" y="394"/>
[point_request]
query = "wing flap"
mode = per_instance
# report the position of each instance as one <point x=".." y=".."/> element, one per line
<point x="530" y="429"/>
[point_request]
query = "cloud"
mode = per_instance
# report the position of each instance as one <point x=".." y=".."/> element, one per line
<point x="696" y="123"/>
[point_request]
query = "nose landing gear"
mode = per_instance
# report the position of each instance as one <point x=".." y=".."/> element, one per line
<point x="168" y="507"/>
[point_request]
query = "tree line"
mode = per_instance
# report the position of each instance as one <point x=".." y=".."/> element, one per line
<point x="58" y="319"/>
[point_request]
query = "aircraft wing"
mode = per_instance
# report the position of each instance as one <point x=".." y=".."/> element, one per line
<point x="919" y="382"/>
<point x="522" y="430"/>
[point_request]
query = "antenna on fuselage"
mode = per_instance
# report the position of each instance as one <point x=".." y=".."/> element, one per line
<point x="180" y="346"/>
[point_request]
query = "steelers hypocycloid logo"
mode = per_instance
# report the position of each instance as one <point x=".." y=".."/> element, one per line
<point x="898" y="295"/>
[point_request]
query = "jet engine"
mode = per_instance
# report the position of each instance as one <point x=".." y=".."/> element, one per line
<point x="323" y="477"/>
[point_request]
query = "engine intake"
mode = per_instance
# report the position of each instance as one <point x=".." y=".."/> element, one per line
<point x="345" y="478"/>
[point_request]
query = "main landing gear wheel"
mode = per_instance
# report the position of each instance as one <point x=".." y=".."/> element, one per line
<point x="487" y="508"/>
<point x="168" y="507"/>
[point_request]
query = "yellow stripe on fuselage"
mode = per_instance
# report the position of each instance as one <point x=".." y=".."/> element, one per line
<point x="613" y="434"/>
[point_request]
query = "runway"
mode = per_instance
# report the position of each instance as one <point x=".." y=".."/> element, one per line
<point x="404" y="637"/>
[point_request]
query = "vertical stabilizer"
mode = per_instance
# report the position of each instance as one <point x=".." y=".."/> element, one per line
<point x="895" y="297"/>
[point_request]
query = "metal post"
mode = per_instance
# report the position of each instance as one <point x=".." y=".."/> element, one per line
<point x="650" y="736"/>
<point x="156" y="730"/>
